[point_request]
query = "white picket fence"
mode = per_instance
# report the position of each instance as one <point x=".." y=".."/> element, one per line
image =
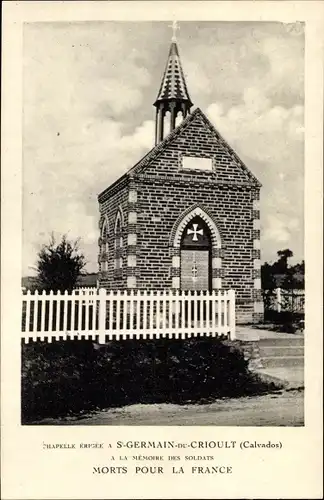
<point x="100" y="315"/>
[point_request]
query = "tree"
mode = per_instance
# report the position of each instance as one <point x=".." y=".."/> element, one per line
<point x="268" y="283"/>
<point x="59" y="265"/>
<point x="267" y="277"/>
<point x="281" y="265"/>
<point x="299" y="275"/>
<point x="285" y="254"/>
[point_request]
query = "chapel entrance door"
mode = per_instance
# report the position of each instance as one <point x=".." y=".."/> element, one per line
<point x="194" y="270"/>
<point x="195" y="256"/>
<point x="196" y="267"/>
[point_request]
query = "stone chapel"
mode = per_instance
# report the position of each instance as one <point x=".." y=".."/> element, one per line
<point x="186" y="216"/>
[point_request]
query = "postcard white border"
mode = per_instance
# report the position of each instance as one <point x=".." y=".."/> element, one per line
<point x="27" y="471"/>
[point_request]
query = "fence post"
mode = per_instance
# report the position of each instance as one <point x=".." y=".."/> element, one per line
<point x="231" y="296"/>
<point x="102" y="315"/>
<point x="27" y="320"/>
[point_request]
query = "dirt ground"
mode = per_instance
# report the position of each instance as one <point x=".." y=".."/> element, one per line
<point x="281" y="409"/>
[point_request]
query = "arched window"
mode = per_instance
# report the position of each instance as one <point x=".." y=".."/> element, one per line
<point x="119" y="222"/>
<point x="104" y="246"/>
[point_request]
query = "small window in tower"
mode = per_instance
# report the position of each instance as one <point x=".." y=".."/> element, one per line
<point x="179" y="119"/>
<point x="195" y="163"/>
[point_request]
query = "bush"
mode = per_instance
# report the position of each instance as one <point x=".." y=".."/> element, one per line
<point x="59" y="265"/>
<point x="72" y="377"/>
<point x="285" y="321"/>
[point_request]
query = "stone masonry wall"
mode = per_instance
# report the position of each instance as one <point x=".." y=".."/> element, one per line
<point x="159" y="206"/>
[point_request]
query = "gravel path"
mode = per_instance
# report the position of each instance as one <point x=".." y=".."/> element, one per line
<point x="281" y="409"/>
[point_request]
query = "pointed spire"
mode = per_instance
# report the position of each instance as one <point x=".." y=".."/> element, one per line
<point x="173" y="84"/>
<point x="173" y="95"/>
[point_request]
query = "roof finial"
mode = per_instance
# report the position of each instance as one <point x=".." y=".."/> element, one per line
<point x="174" y="27"/>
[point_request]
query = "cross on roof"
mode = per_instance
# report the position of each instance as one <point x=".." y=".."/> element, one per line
<point x="174" y="27"/>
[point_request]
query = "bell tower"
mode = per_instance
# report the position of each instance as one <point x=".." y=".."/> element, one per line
<point x="173" y="97"/>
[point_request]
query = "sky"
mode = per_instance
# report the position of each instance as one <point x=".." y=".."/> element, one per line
<point x="88" y="90"/>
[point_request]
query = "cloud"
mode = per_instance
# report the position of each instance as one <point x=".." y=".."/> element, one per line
<point x="81" y="87"/>
<point x="74" y="76"/>
<point x="141" y="138"/>
<point x="279" y="229"/>
<point x="270" y="140"/>
<point x="61" y="194"/>
<point x="239" y="56"/>
<point x="262" y="131"/>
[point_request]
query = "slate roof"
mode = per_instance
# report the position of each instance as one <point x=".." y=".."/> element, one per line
<point x="173" y="86"/>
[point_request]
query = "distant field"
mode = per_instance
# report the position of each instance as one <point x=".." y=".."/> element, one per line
<point x="30" y="282"/>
